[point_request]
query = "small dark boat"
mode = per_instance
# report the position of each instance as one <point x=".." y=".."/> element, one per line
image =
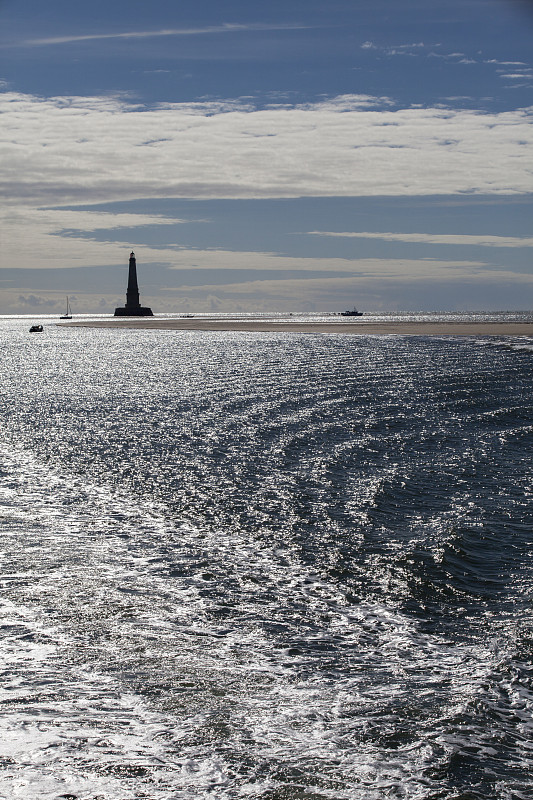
<point x="354" y="313"/>
<point x="36" y="329"/>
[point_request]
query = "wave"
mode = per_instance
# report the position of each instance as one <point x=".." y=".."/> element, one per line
<point x="275" y="567"/>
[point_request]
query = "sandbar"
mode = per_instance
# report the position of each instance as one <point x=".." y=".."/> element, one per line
<point x="355" y="327"/>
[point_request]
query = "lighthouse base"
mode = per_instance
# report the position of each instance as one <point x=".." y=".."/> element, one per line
<point x="139" y="311"/>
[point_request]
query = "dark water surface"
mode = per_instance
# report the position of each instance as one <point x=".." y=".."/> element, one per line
<point x="265" y="565"/>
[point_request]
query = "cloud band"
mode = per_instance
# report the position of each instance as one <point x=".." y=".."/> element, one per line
<point x="65" y="150"/>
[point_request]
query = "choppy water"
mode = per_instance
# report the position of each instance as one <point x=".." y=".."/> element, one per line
<point x="269" y="566"/>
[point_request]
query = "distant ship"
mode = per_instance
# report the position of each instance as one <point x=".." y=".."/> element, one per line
<point x="354" y="313"/>
<point x="36" y="329"/>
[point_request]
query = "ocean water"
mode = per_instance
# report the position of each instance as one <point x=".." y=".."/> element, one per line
<point x="271" y="566"/>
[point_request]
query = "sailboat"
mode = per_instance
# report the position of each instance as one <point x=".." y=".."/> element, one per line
<point x="67" y="314"/>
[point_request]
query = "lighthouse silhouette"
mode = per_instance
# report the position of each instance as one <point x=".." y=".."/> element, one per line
<point x="133" y="308"/>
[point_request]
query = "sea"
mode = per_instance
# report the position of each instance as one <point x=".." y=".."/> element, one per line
<point x="265" y="566"/>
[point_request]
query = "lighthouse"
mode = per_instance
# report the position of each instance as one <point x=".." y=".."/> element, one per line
<point x="133" y="307"/>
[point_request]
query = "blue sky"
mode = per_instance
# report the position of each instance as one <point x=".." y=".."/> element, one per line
<point x="295" y="156"/>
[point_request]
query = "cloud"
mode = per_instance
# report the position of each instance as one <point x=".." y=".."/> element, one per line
<point x="470" y="240"/>
<point x="506" y="63"/>
<point x="401" y="49"/>
<point x="419" y="49"/>
<point x="377" y="280"/>
<point x="371" y="268"/>
<point x="322" y="287"/>
<point x="57" y="236"/>
<point x="33" y="301"/>
<point x="370" y="282"/>
<point x="519" y="69"/>
<point x="66" y="150"/>
<point x="256" y="291"/>
<point x="165" y="32"/>
<point x="461" y="58"/>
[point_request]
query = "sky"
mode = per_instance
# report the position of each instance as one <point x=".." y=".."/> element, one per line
<point x="258" y="157"/>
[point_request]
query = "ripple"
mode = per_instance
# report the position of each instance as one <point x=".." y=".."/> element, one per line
<point x="264" y="566"/>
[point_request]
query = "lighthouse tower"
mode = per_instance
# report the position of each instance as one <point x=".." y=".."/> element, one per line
<point x="133" y="307"/>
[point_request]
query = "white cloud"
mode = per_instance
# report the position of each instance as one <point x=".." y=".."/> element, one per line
<point x="419" y="49"/>
<point x="473" y="240"/>
<point x="506" y="63"/>
<point x="372" y="268"/>
<point x="64" y="150"/>
<point x="67" y="150"/>
<point x="150" y="34"/>
<point x="317" y="288"/>
<point x="460" y="57"/>
<point x="56" y="236"/>
<point x="517" y="76"/>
